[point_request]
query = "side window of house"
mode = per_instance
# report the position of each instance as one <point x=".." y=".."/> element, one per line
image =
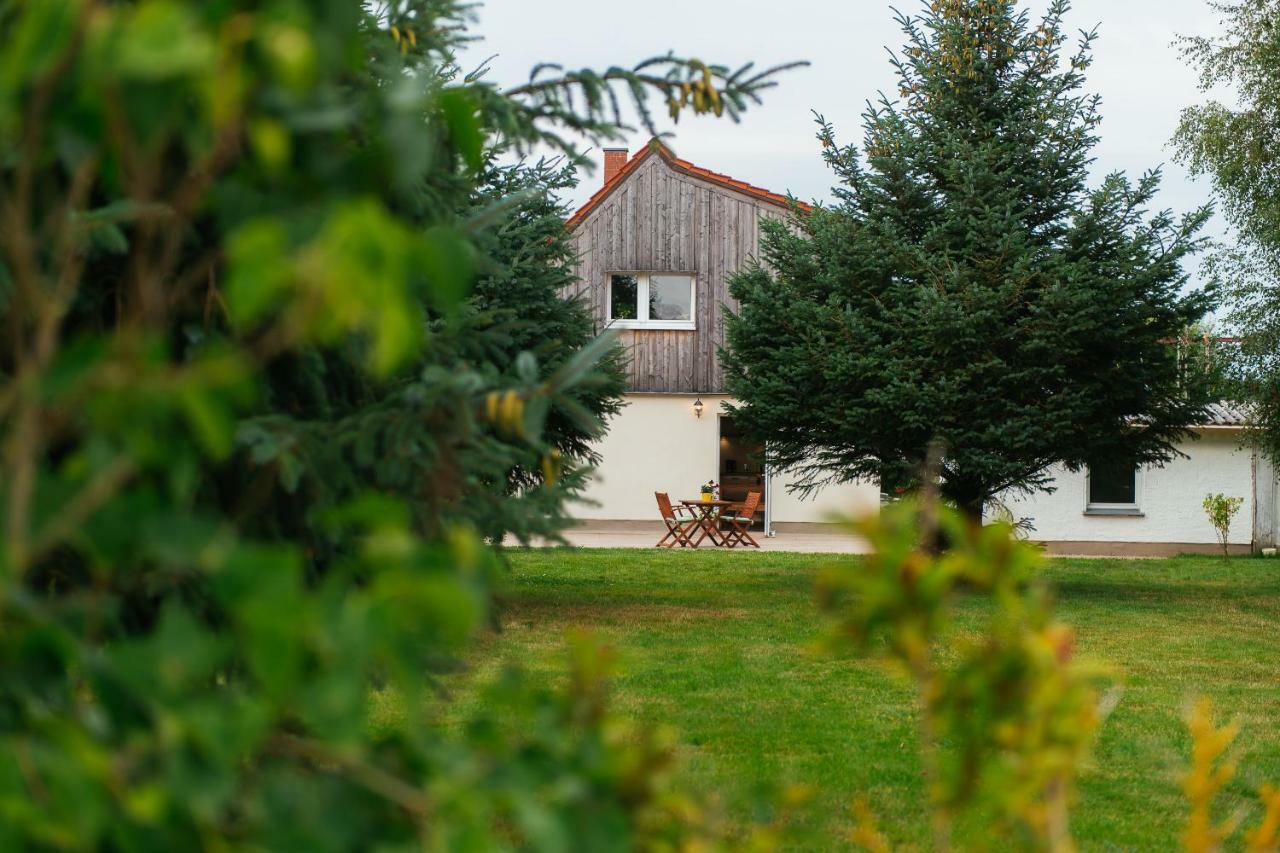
<point x="1113" y="488"/>
<point x="652" y="300"/>
<point x="624" y="293"/>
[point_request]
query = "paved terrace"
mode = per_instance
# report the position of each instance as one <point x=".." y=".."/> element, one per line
<point x="832" y="539"/>
<point x="806" y="538"/>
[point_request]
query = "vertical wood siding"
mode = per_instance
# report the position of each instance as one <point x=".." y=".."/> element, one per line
<point x="661" y="220"/>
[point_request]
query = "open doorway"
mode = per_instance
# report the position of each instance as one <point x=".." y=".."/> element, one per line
<point x="741" y="469"/>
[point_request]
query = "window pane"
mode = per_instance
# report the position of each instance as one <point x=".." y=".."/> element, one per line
<point x="1112" y="484"/>
<point x="670" y="297"/>
<point x="623" y="297"/>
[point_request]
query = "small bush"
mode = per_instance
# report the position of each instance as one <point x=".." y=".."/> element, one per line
<point x="1221" y="510"/>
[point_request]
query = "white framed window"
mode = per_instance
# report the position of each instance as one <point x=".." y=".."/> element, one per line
<point x="651" y="300"/>
<point x="1113" y="490"/>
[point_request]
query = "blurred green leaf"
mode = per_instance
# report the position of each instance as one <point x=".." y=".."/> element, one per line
<point x="292" y="52"/>
<point x="445" y="258"/>
<point x="460" y="116"/>
<point x="271" y="142"/>
<point x="259" y="272"/>
<point x="211" y="421"/>
<point x="161" y="39"/>
<point x="39" y="37"/>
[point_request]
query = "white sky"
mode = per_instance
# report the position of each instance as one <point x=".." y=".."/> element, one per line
<point x="1137" y="70"/>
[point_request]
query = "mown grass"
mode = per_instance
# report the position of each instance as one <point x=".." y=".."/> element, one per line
<point x="721" y="646"/>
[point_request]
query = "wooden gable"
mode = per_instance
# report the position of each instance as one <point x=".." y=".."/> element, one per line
<point x="661" y="214"/>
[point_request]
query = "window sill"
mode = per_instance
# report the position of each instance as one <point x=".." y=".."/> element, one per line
<point x="656" y="325"/>
<point x="1126" y="511"/>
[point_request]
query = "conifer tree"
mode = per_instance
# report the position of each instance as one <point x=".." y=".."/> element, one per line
<point x="520" y="302"/>
<point x="969" y="285"/>
<point x="329" y="433"/>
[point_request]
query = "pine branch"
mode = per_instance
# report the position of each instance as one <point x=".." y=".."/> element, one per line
<point x="590" y="102"/>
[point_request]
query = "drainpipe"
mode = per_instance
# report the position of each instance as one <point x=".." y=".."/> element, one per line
<point x="768" y="497"/>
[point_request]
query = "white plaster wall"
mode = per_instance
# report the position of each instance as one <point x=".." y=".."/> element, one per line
<point x="844" y="500"/>
<point x="657" y="444"/>
<point x="1169" y="498"/>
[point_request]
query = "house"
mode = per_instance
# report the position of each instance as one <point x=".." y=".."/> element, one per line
<point x="1158" y="510"/>
<point x="655" y="245"/>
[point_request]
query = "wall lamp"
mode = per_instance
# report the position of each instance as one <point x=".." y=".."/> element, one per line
<point x="697" y="407"/>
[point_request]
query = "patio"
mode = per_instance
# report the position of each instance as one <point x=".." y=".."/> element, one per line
<point x="800" y="538"/>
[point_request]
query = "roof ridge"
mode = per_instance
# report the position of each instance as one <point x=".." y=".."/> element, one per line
<point x="656" y="145"/>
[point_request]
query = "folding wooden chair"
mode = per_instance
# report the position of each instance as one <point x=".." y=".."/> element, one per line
<point x="678" y="526"/>
<point x="739" y="520"/>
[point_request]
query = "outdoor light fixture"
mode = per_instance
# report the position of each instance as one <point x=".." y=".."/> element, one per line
<point x="697" y="407"/>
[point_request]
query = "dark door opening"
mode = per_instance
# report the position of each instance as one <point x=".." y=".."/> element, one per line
<point x="741" y="468"/>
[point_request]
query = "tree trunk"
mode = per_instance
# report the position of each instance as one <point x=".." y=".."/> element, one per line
<point x="972" y="510"/>
<point x="969" y="499"/>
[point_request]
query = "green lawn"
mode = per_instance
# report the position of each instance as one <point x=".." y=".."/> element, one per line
<point x="718" y="644"/>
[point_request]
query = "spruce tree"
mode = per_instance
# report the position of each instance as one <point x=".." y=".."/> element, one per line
<point x="969" y="286"/>
<point x="519" y="304"/>
<point x="328" y="433"/>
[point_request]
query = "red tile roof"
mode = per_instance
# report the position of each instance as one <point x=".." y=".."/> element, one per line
<point x="656" y="147"/>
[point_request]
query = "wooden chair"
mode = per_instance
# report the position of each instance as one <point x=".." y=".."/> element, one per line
<point x="739" y="520"/>
<point x="678" y="526"/>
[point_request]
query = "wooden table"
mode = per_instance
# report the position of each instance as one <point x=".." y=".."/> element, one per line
<point x="707" y="514"/>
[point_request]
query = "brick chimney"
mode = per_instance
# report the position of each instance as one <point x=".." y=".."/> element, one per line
<point x="614" y="160"/>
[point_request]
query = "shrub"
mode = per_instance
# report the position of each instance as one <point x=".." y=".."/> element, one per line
<point x="1211" y="769"/>
<point x="1221" y="510"/>
<point x="1005" y="724"/>
<point x="1007" y="715"/>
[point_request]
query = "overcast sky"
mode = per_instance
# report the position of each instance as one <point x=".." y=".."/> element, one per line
<point x="1137" y="70"/>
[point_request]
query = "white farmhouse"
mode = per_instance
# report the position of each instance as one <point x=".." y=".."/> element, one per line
<point x="655" y="245"/>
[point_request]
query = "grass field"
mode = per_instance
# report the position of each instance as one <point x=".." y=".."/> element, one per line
<point x="719" y="644"/>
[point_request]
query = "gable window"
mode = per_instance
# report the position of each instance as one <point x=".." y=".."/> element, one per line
<point x="1113" y="489"/>
<point x="651" y="300"/>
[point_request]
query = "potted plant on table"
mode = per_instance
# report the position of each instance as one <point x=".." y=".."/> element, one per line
<point x="710" y="491"/>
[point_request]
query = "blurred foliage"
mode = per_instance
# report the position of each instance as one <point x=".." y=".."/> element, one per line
<point x="1007" y="714"/>
<point x="282" y="347"/>
<point x="331" y="432"/>
<point x="1211" y="769"/>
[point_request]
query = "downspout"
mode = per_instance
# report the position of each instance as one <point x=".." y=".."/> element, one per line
<point x="1255" y="535"/>
<point x="768" y="496"/>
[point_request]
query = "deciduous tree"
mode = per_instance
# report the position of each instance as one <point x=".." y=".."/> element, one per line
<point x="1237" y="145"/>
